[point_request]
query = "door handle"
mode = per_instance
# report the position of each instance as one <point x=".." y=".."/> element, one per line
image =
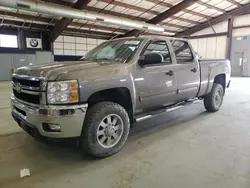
<point x="194" y="70"/>
<point x="170" y="73"/>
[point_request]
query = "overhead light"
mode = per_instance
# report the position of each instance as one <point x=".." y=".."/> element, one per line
<point x="168" y="33"/>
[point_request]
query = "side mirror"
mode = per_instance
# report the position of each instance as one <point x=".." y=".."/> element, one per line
<point x="150" y="58"/>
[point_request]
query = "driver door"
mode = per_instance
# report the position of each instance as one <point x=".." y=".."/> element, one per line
<point x="156" y="83"/>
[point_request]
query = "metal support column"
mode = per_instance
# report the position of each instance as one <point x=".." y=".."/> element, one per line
<point x="229" y="37"/>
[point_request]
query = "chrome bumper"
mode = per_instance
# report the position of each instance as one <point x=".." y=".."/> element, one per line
<point x="69" y="118"/>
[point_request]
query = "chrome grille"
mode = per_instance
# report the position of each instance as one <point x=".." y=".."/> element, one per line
<point x="35" y="99"/>
<point x="29" y="83"/>
<point x="27" y="89"/>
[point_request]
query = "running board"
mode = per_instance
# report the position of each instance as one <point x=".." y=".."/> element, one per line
<point x="164" y="110"/>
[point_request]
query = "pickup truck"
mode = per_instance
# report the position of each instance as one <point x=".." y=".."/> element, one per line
<point x="122" y="81"/>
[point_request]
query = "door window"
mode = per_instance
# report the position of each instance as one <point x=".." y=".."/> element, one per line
<point x="183" y="52"/>
<point x="160" y="47"/>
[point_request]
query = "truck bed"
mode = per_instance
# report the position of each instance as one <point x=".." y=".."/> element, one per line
<point x="209" y="68"/>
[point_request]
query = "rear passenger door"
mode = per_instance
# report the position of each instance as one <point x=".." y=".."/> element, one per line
<point x="188" y="70"/>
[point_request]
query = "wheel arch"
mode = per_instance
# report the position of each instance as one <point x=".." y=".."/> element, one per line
<point x="221" y="79"/>
<point x="119" y="95"/>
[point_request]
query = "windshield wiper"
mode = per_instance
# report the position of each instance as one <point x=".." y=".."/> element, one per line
<point x="105" y="60"/>
<point x="101" y="59"/>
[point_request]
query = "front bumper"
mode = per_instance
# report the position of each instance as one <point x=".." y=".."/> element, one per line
<point x="69" y="118"/>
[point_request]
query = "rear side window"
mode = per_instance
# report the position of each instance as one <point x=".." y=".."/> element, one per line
<point x="182" y="50"/>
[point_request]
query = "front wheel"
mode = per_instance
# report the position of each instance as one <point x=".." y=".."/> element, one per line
<point x="214" y="99"/>
<point x="105" y="129"/>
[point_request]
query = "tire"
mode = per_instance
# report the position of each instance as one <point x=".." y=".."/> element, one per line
<point x="214" y="99"/>
<point x="94" y="123"/>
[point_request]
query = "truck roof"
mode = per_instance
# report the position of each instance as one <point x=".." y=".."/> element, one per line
<point x="152" y="37"/>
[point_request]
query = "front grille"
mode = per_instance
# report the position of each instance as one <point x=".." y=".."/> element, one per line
<point x="23" y="82"/>
<point x="27" y="88"/>
<point x="35" y="99"/>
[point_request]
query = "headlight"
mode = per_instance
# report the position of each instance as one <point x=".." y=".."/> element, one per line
<point x="62" y="92"/>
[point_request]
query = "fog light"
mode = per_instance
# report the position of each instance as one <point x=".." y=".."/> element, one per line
<point x="55" y="127"/>
<point x="51" y="127"/>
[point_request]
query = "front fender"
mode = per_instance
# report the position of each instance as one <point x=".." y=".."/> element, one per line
<point x="87" y="88"/>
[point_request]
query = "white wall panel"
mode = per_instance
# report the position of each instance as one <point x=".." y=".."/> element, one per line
<point x="221" y="46"/>
<point x="59" y="39"/>
<point x="91" y="41"/>
<point x="80" y="52"/>
<point x="203" y="32"/>
<point x="221" y="27"/>
<point x="90" y="47"/>
<point x="69" y="39"/>
<point x="69" y="46"/>
<point x="99" y="41"/>
<point x="58" y="45"/>
<point x="211" y="47"/>
<point x="58" y="52"/>
<point x="242" y="20"/>
<point x="202" y="46"/>
<point x="81" y="47"/>
<point x="69" y="52"/>
<point x="194" y="43"/>
<point x="81" y="40"/>
<point x="241" y="32"/>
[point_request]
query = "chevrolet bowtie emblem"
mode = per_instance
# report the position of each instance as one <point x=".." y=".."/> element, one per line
<point x="18" y="87"/>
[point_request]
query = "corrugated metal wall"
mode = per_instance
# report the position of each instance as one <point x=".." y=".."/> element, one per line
<point x="9" y="61"/>
<point x="214" y="47"/>
<point x="67" y="45"/>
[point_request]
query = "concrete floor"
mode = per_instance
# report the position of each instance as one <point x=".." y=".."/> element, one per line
<point x="186" y="148"/>
<point x="6" y="126"/>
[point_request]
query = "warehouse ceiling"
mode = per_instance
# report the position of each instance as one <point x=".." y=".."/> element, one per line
<point x="179" y="18"/>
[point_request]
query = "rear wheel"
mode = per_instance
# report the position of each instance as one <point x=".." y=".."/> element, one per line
<point x="105" y="129"/>
<point x="214" y="99"/>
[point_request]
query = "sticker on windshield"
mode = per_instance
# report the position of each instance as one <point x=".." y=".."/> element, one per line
<point x="133" y="42"/>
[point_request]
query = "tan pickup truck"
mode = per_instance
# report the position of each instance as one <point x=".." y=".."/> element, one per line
<point x="122" y="81"/>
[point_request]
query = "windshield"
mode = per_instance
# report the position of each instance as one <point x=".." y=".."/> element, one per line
<point x="114" y="51"/>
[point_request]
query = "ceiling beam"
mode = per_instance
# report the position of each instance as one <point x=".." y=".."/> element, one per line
<point x="97" y="27"/>
<point x="22" y="25"/>
<point x="236" y="12"/>
<point x="172" y="11"/>
<point x="216" y="34"/>
<point x="163" y="3"/>
<point x="208" y="35"/>
<point x="144" y="10"/>
<point x="64" y="22"/>
<point x="25" y="16"/>
<point x="211" y="6"/>
<point x="88" y="33"/>
<point x="164" y="15"/>
<point x="242" y="27"/>
<point x="234" y="2"/>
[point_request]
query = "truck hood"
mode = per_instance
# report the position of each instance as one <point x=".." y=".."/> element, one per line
<point x="69" y="70"/>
